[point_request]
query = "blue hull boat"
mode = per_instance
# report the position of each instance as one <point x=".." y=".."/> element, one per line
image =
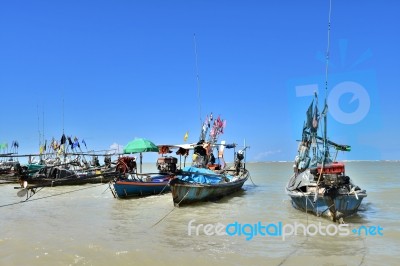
<point x="210" y="186"/>
<point x="150" y="185"/>
<point x="329" y="202"/>
<point x="326" y="192"/>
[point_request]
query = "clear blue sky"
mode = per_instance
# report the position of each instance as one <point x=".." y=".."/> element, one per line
<point x="127" y="69"/>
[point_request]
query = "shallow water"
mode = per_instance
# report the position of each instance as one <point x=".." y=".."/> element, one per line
<point x="85" y="225"/>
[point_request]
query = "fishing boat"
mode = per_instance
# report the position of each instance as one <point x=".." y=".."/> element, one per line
<point x="61" y="167"/>
<point x="209" y="179"/>
<point x="9" y="162"/>
<point x="131" y="183"/>
<point x="320" y="184"/>
<point x="195" y="184"/>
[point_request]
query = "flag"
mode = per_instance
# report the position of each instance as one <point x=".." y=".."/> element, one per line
<point x="186" y="136"/>
<point x="315" y="119"/>
<point x="63" y="139"/>
<point x="60" y="149"/>
<point x="84" y="142"/>
<point x="41" y="149"/>
<point x="309" y="115"/>
<point x="325" y="110"/>
<point x="75" y="144"/>
<point x="70" y="141"/>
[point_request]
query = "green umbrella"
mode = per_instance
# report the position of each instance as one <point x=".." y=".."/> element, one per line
<point x="139" y="145"/>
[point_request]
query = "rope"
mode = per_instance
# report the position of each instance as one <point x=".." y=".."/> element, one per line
<point x="363" y="257"/>
<point x="49" y="196"/>
<point x="252" y="180"/>
<point x="163" y="189"/>
<point x="165" y="216"/>
<point x="294" y="251"/>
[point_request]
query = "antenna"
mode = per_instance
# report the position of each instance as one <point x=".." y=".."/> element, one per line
<point x="38" y="121"/>
<point x="198" y="79"/>
<point x="43" y="125"/>
<point x="63" y="114"/>
<point x="326" y="150"/>
<point x="327" y="49"/>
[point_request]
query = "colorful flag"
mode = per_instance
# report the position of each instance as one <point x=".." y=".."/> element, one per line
<point x="186" y="136"/>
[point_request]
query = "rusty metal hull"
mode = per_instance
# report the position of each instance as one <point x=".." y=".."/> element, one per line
<point x="186" y="193"/>
<point x="345" y="204"/>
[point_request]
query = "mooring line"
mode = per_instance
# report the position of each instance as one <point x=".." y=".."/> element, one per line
<point x="252" y="180"/>
<point x="165" y="216"/>
<point x="163" y="189"/>
<point x="49" y="196"/>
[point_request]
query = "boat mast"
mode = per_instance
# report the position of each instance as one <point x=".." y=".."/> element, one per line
<point x="197" y="78"/>
<point x="325" y="110"/>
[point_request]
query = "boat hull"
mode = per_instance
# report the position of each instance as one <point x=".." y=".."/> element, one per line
<point x="127" y="188"/>
<point x="185" y="193"/>
<point x="53" y="182"/>
<point x="345" y="204"/>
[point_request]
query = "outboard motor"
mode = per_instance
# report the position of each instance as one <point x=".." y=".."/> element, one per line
<point x="238" y="161"/>
<point x="167" y="164"/>
<point x="95" y="161"/>
<point x="107" y="161"/>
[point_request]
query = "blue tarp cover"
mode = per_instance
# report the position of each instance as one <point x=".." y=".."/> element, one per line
<point x="200" y="175"/>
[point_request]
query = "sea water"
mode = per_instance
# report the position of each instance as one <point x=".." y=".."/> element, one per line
<point x="86" y="225"/>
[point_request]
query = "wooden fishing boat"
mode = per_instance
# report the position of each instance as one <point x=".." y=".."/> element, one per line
<point x="139" y="185"/>
<point x="130" y="183"/>
<point x="61" y="176"/>
<point x="199" y="184"/>
<point x="320" y="184"/>
<point x="326" y="191"/>
<point x="209" y="178"/>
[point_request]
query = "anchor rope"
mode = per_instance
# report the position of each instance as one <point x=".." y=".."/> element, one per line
<point x="49" y="196"/>
<point x="165" y="216"/>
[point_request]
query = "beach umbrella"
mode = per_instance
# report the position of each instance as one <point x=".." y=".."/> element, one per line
<point x="140" y="145"/>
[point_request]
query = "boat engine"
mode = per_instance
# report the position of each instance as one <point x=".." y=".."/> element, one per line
<point x="335" y="180"/>
<point x="238" y="161"/>
<point x="167" y="164"/>
<point x="107" y="161"/>
<point x="95" y="161"/>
